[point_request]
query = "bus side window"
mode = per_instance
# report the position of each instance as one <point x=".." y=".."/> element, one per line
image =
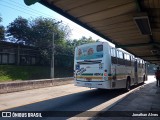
<point x="139" y="63"/>
<point x="143" y="64"/>
<point x="120" y="57"/>
<point x="113" y="56"/>
<point x="132" y="61"/>
<point x="127" y="60"/>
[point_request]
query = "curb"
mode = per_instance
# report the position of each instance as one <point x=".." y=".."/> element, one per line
<point x="33" y="84"/>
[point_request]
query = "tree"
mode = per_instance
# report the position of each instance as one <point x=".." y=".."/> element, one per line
<point x="2" y="30"/>
<point x="83" y="40"/>
<point x="19" y="31"/>
<point x="39" y="33"/>
<point x="42" y="30"/>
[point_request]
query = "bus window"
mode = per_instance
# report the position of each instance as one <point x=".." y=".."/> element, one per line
<point x="132" y="61"/>
<point x="89" y="52"/>
<point x="139" y="63"/>
<point x="127" y="60"/>
<point x="113" y="52"/>
<point x="120" y="58"/>
<point x="142" y="64"/>
<point x="113" y="56"/>
<point x="120" y="55"/>
<point x="99" y="48"/>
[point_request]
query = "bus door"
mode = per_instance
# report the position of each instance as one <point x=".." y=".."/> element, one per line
<point x="135" y="72"/>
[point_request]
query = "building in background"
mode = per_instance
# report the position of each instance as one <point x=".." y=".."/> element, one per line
<point x="18" y="54"/>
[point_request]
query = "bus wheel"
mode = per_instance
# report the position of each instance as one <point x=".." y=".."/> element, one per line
<point x="143" y="79"/>
<point x="128" y="86"/>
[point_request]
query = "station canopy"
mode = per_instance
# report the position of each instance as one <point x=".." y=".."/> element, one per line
<point x="133" y="25"/>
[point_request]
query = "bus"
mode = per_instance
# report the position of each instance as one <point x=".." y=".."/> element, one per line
<point x="99" y="65"/>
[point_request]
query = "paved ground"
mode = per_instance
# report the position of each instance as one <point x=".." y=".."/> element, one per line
<point x="147" y="98"/>
<point x="16" y="99"/>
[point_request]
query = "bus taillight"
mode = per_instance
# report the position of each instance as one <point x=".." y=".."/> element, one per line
<point x="105" y="74"/>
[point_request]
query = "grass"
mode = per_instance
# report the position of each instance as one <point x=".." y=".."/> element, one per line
<point x="12" y="72"/>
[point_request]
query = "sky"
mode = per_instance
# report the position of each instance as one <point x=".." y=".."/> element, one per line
<point x="11" y="9"/>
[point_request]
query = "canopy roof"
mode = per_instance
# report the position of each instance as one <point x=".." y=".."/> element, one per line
<point x="114" y="20"/>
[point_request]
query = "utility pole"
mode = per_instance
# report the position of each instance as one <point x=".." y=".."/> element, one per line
<point x="52" y="60"/>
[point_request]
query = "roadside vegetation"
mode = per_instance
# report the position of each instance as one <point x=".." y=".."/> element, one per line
<point x="12" y="73"/>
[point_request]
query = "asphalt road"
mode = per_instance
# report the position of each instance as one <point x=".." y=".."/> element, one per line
<point x="60" y="98"/>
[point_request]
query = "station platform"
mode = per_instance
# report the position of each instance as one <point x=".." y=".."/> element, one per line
<point x="142" y="104"/>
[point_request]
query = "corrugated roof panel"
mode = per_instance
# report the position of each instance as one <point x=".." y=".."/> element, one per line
<point x="101" y="5"/>
<point x="112" y="12"/>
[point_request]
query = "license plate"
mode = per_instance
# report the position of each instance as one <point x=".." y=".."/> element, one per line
<point x="88" y="84"/>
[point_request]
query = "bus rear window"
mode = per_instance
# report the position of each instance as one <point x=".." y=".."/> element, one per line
<point x="99" y="48"/>
<point x="89" y="52"/>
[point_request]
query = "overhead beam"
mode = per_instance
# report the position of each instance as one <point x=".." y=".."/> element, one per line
<point x="153" y="60"/>
<point x="145" y="56"/>
<point x="134" y="45"/>
<point x="137" y="45"/>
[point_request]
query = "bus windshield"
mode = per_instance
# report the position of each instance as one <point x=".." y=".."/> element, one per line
<point x="89" y="52"/>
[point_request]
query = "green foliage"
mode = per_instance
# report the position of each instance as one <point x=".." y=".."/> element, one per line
<point x="12" y="73"/>
<point x="37" y="32"/>
<point x="20" y="30"/>
<point x="2" y="30"/>
<point x="81" y="41"/>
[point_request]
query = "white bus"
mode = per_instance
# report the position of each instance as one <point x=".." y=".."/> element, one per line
<point x="98" y="65"/>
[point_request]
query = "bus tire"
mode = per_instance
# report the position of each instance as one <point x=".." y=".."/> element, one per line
<point x="143" y="79"/>
<point x="128" y="86"/>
